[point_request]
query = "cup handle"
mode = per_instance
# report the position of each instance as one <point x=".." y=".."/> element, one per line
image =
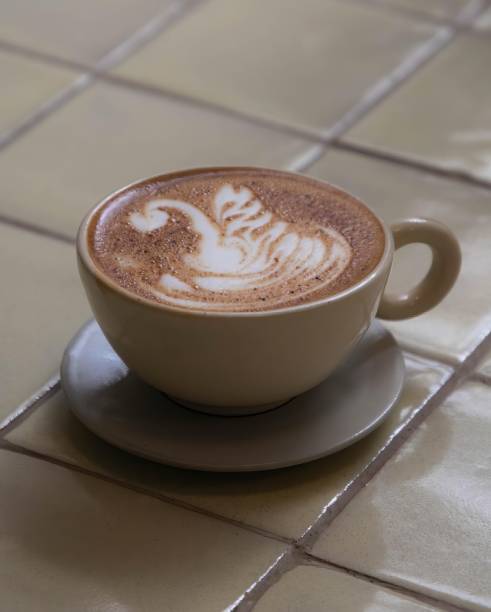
<point x="445" y="266"/>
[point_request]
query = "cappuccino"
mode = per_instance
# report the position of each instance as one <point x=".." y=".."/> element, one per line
<point x="235" y="240"/>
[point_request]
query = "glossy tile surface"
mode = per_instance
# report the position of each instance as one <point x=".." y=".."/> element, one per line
<point x="484" y="21"/>
<point x="456" y="325"/>
<point x="434" y="8"/>
<point x="284" y="501"/>
<point x="80" y="31"/>
<point x="423" y="520"/>
<point x="485" y="365"/>
<point x="109" y="136"/>
<point x="277" y="60"/>
<point x="72" y="542"/>
<point x="419" y="122"/>
<point x="314" y="589"/>
<point x="41" y="306"/>
<point x="27" y="84"/>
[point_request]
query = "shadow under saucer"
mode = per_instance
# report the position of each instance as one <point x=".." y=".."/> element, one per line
<point x="123" y="410"/>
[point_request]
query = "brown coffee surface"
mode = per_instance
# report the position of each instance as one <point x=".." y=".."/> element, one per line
<point x="235" y="240"/>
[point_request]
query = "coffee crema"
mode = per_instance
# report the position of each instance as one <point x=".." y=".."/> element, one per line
<point x="235" y="240"/>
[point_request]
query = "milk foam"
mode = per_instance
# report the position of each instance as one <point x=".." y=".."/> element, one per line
<point x="243" y="248"/>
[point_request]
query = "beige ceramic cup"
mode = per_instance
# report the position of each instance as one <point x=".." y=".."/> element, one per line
<point x="244" y="362"/>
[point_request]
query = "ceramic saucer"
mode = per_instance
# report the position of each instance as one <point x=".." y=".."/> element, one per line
<point x="117" y="406"/>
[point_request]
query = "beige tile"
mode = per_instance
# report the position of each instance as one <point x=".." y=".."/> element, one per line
<point x="26" y="85"/>
<point x="485" y="365"/>
<point x="42" y="305"/>
<point x="81" y="31"/>
<point x="110" y="136"/>
<point x="316" y="589"/>
<point x="72" y="542"/>
<point x="484" y="21"/>
<point x="459" y="322"/>
<point x="277" y="60"/>
<point x="435" y="8"/>
<point x="284" y="501"/>
<point x="442" y="115"/>
<point x="423" y="521"/>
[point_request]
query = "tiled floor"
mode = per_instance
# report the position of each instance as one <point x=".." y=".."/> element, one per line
<point x="221" y="54"/>
<point x="26" y="85"/>
<point x="441" y="116"/>
<point x="399" y="521"/>
<point x="283" y="502"/>
<point x="432" y="498"/>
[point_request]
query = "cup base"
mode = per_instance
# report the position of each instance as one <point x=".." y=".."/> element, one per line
<point x="229" y="411"/>
<point x="120" y="408"/>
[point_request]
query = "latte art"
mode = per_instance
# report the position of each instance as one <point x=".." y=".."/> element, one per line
<point x="243" y="247"/>
<point x="234" y="240"/>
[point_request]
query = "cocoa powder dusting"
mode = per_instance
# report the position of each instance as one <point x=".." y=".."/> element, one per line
<point x="137" y="260"/>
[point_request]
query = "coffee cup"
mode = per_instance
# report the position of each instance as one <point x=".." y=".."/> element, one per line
<point x="244" y="362"/>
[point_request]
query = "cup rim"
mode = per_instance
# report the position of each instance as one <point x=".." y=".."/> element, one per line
<point x="87" y="260"/>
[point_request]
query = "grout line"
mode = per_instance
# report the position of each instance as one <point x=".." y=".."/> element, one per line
<point x="480" y="377"/>
<point x="389" y="83"/>
<point x="46" y="109"/>
<point x="306" y="542"/>
<point x="41" y="56"/>
<point x="410" y="163"/>
<point x="146" y="33"/>
<point x="25" y="409"/>
<point x="164" y="92"/>
<point x="172" y="501"/>
<point x="428" y="354"/>
<point x="378" y="92"/>
<point x="415" y="14"/>
<point x="283" y="564"/>
<point x="471" y="11"/>
<point x="89" y="75"/>
<point x="314" y="561"/>
<point x="38" y="230"/>
<point x="455" y="378"/>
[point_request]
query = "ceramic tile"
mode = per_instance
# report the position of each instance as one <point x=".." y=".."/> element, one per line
<point x="42" y="305"/>
<point x="222" y="53"/>
<point x="81" y="31"/>
<point x="484" y="21"/>
<point x="109" y="136"/>
<point x="434" y="8"/>
<point x="456" y="325"/>
<point x="72" y="542"/>
<point x="422" y="521"/>
<point x="418" y="120"/>
<point x="318" y="589"/>
<point x="284" y="501"/>
<point x="485" y="365"/>
<point x="26" y="85"/>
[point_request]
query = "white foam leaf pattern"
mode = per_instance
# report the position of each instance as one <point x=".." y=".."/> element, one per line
<point x="244" y="248"/>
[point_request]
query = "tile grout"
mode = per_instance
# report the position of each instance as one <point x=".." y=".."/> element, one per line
<point x="35" y="229"/>
<point x="25" y="408"/>
<point x="305" y="543"/>
<point x="46" y="391"/>
<point x="408" y="162"/>
<point x="480" y="377"/>
<point x="319" y="144"/>
<point x="419" y="16"/>
<point x="82" y="82"/>
<point x="313" y="560"/>
<point x="89" y="74"/>
<point x="454" y="379"/>
<point x="123" y="484"/>
<point x="146" y="33"/>
<point x="429" y="354"/>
